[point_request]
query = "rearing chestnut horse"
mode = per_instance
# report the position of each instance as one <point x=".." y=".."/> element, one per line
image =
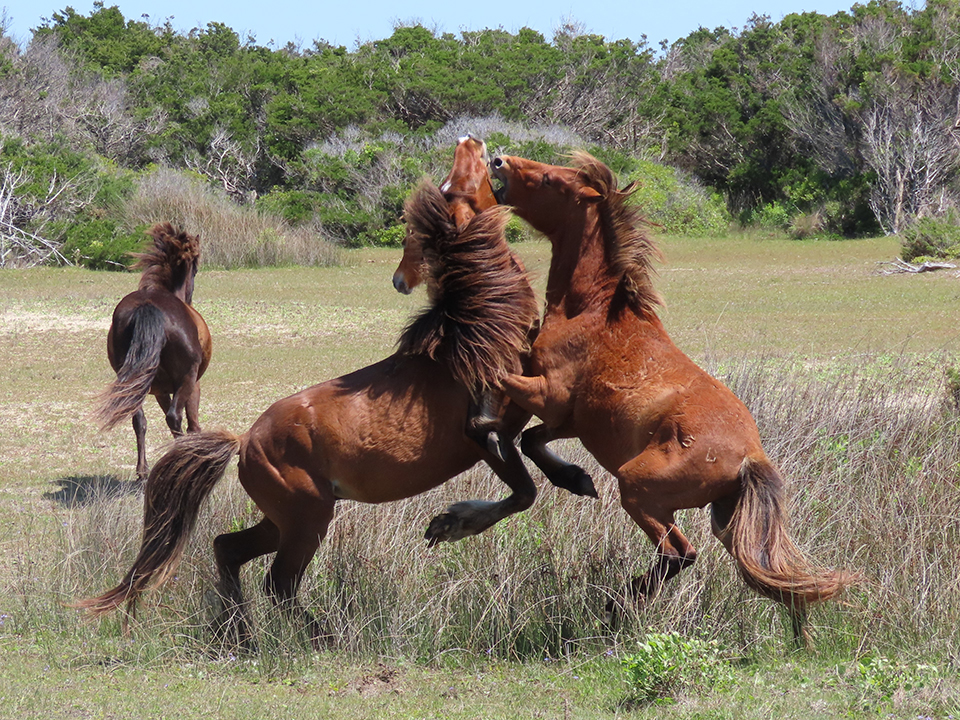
<point x="605" y="371"/>
<point x="468" y="192"/>
<point x="157" y="342"/>
<point x="386" y="432"/>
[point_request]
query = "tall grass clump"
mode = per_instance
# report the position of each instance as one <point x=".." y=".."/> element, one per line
<point x="231" y="235"/>
<point x="871" y="452"/>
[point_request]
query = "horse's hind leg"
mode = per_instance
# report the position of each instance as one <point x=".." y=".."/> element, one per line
<point x="191" y="405"/>
<point x="648" y="487"/>
<point x="140" y="430"/>
<point x="232" y="551"/>
<point x="559" y="472"/>
<point x="471" y="517"/>
<point x="165" y="402"/>
<point x="297" y="548"/>
<point x="185" y="398"/>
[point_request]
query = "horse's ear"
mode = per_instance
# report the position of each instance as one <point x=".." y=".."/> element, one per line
<point x="588" y="194"/>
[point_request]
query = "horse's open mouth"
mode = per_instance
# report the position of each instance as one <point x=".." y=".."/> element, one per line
<point x="500" y="179"/>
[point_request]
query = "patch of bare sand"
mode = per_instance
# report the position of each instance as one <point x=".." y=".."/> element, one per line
<point x="19" y="321"/>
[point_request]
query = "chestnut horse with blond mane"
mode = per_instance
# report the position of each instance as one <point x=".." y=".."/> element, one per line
<point x="605" y="371"/>
<point x="158" y="343"/>
<point x="386" y="432"/>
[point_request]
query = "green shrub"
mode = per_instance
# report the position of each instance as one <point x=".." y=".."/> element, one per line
<point x="675" y="202"/>
<point x="879" y="679"/>
<point x="391" y="236"/>
<point x="101" y="244"/>
<point x="772" y="216"/>
<point x="932" y="237"/>
<point x="294" y="206"/>
<point x="667" y="664"/>
<point x="517" y="230"/>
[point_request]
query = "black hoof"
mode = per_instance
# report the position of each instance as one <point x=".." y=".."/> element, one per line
<point x="574" y="479"/>
<point x="441" y="529"/>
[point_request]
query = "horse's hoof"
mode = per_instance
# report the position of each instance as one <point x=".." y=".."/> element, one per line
<point x="576" y="480"/>
<point x="443" y="528"/>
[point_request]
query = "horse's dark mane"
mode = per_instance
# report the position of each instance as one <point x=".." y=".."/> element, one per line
<point x="482" y="306"/>
<point x="167" y="264"/>
<point x="629" y="250"/>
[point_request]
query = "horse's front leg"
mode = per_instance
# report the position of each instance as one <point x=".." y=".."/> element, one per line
<point x="472" y="517"/>
<point x="561" y="473"/>
<point x="552" y="404"/>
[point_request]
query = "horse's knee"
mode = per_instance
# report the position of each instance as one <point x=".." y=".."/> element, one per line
<point x="223" y="552"/>
<point x="526" y="496"/>
<point x="530" y="442"/>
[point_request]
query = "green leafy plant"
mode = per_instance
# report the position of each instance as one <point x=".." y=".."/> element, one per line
<point x="100" y="244"/>
<point x="879" y="678"/>
<point x="666" y="664"/>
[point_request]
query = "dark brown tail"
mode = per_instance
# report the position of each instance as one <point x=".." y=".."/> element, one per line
<point x="768" y="559"/>
<point x="178" y="484"/>
<point x="125" y="395"/>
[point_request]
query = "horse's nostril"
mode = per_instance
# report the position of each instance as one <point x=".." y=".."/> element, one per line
<point x="497" y="162"/>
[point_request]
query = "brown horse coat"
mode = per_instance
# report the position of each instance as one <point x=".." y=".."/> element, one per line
<point x="606" y="371"/>
<point x="157" y="342"/>
<point x="385" y="432"/>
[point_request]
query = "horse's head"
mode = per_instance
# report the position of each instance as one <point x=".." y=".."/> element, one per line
<point x="467" y="187"/>
<point x="544" y="195"/>
<point x="468" y="192"/>
<point x="172" y="263"/>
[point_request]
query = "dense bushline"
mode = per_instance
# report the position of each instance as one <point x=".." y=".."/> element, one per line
<point x="835" y="125"/>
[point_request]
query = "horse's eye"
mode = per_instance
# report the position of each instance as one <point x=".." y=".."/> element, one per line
<point x="546" y="180"/>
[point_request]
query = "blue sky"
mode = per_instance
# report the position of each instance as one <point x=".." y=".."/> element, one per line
<point x="344" y="22"/>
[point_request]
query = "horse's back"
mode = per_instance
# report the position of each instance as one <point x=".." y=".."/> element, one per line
<point x="187" y="338"/>
<point x="385" y="432"/>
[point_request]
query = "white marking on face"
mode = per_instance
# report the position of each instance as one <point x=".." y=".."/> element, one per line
<point x="445" y="187"/>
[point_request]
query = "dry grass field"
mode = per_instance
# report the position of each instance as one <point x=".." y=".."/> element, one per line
<point x="846" y="370"/>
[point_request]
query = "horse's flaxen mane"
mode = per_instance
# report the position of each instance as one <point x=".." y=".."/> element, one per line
<point x="167" y="264"/>
<point x="482" y="306"/>
<point x="629" y="251"/>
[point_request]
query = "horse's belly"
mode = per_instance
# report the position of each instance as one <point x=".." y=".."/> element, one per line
<point x="369" y="447"/>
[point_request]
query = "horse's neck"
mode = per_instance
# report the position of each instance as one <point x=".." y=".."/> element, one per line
<point x="159" y="278"/>
<point x="579" y="278"/>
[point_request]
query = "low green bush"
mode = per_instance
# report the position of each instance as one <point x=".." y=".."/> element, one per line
<point x="932" y="237"/>
<point x="666" y="664"/>
<point x="101" y="244"/>
<point x="676" y="202"/>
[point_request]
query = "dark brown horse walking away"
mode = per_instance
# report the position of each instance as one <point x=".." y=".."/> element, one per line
<point x="158" y="343"/>
<point x="607" y="373"/>
<point x="386" y="432"/>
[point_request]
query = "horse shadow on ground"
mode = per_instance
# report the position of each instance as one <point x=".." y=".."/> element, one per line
<point x="79" y="490"/>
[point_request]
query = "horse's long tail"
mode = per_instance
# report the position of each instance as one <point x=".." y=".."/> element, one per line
<point x="178" y="484"/>
<point x="769" y="560"/>
<point x="125" y="395"/>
